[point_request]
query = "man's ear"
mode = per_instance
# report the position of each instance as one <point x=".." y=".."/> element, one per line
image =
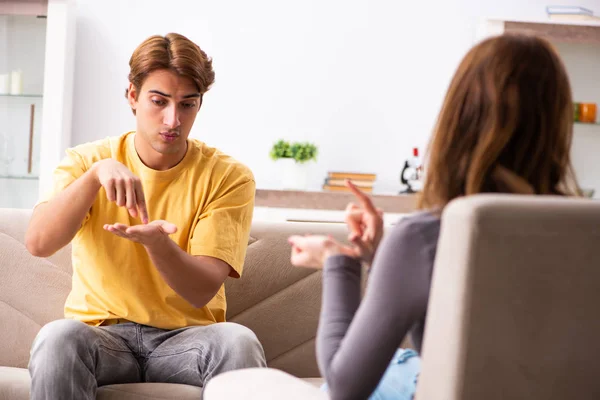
<point x="132" y="96"/>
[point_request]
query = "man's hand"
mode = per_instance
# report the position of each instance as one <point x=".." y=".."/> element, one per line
<point x="365" y="223"/>
<point x="122" y="187"/>
<point x="148" y="234"/>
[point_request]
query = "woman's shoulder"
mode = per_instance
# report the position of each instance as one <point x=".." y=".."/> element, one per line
<point x="420" y="230"/>
<point x="418" y="222"/>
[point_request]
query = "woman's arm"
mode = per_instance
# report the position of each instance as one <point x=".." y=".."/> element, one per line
<point x="356" y="341"/>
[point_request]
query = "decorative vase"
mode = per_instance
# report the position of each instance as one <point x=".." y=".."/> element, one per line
<point x="294" y="175"/>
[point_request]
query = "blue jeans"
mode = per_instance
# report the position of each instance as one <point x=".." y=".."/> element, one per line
<point x="70" y="359"/>
<point x="399" y="382"/>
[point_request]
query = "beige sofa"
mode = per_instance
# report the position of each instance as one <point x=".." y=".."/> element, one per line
<point x="280" y="303"/>
<point x="513" y="312"/>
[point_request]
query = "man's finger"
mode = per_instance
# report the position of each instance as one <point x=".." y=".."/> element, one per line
<point x="115" y="231"/>
<point x="165" y="226"/>
<point x="121" y="227"/>
<point x="130" y="200"/>
<point x="141" y="202"/>
<point x="121" y="193"/>
<point x="136" y="229"/>
<point x="169" y="228"/>
<point x="364" y="200"/>
<point x="109" y="188"/>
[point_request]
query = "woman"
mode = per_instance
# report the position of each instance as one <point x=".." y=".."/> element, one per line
<point x="505" y="126"/>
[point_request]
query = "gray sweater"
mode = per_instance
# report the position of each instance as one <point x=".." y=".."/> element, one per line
<point x="356" y="341"/>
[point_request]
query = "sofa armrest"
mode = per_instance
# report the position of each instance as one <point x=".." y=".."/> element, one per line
<point x="260" y="383"/>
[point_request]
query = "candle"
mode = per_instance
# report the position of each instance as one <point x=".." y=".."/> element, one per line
<point x="4" y="83"/>
<point x="16" y="82"/>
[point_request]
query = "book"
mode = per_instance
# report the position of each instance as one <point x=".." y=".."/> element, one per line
<point x="336" y="188"/>
<point x="574" y="17"/>
<point x="342" y="182"/>
<point x="352" y="175"/>
<point x="568" y="10"/>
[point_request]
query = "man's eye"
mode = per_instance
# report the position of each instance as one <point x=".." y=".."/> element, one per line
<point x="189" y="105"/>
<point x="158" y="102"/>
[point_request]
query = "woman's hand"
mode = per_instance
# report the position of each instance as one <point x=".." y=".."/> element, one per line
<point x="312" y="250"/>
<point x="365" y="223"/>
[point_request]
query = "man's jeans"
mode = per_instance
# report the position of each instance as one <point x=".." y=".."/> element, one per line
<point x="70" y="359"/>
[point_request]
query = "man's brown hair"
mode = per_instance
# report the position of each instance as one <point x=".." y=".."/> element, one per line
<point x="174" y="52"/>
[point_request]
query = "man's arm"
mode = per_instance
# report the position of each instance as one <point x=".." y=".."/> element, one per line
<point x="55" y="223"/>
<point x="195" y="278"/>
<point x="218" y="244"/>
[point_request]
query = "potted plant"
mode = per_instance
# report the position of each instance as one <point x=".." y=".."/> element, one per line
<point x="294" y="158"/>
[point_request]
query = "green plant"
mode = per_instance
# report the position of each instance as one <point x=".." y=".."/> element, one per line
<point x="281" y="149"/>
<point x="301" y="152"/>
<point x="304" y="152"/>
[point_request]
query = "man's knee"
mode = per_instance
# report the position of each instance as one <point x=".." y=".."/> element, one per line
<point x="237" y="335"/>
<point x="62" y="336"/>
<point x="242" y="343"/>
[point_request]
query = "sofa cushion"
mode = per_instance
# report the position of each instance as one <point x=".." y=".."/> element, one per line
<point x="15" y="383"/>
<point x="139" y="391"/>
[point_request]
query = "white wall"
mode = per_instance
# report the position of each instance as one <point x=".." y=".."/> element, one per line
<point x="363" y="79"/>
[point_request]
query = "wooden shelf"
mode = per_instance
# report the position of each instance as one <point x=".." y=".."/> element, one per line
<point x="24" y="7"/>
<point x="555" y="31"/>
<point x="330" y="200"/>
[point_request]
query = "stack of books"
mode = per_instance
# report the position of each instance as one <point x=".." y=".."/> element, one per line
<point x="335" y="181"/>
<point x="570" y="13"/>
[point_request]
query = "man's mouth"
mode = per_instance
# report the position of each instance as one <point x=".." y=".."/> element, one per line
<point x="169" y="136"/>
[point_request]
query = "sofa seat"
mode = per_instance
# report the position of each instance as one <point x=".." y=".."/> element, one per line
<point x="15" y="382"/>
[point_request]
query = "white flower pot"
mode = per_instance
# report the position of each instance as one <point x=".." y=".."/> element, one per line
<point x="294" y="176"/>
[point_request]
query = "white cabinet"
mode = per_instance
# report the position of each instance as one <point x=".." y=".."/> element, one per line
<point x="37" y="54"/>
<point x="22" y="53"/>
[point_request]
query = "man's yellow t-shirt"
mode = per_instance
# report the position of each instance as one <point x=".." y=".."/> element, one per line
<point x="209" y="196"/>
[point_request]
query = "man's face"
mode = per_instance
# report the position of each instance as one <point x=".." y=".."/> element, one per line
<point x="165" y="110"/>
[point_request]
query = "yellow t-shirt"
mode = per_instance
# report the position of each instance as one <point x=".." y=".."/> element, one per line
<point x="209" y="196"/>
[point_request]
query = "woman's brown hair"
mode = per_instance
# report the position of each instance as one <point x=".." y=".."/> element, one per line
<point x="509" y="105"/>
<point x="174" y="52"/>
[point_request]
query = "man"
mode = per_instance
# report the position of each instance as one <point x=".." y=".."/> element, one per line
<point x="158" y="221"/>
